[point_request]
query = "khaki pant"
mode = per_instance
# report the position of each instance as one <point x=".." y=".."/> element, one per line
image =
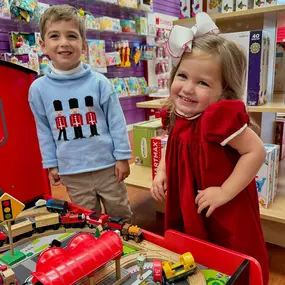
<point x="89" y="188"/>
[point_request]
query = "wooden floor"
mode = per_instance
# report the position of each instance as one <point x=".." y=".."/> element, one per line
<point x="145" y="215"/>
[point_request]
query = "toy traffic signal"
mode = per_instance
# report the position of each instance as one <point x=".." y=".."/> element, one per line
<point x="10" y="207"/>
<point x="7" y="209"/>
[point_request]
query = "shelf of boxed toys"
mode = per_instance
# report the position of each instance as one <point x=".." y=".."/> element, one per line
<point x="108" y="33"/>
<point x="110" y="6"/>
<point x="237" y="16"/>
<point x="277" y="106"/>
<point x="272" y="219"/>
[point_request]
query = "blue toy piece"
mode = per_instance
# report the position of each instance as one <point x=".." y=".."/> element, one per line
<point x="259" y="184"/>
<point x="59" y="206"/>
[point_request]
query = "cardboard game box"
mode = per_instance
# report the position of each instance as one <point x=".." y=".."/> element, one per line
<point x="265" y="179"/>
<point x="143" y="132"/>
<point x="157" y="145"/>
<point x="256" y="47"/>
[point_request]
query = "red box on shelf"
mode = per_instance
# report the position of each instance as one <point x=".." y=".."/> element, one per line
<point x="157" y="145"/>
<point x="280" y="136"/>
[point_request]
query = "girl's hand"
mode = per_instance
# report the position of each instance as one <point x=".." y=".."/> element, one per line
<point x="53" y="176"/>
<point x="159" y="186"/>
<point x="210" y="199"/>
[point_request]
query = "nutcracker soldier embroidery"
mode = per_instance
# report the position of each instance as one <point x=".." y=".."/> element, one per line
<point x="76" y="120"/>
<point x="91" y="116"/>
<point x="61" y="123"/>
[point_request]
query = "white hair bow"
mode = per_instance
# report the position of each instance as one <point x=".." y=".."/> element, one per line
<point x="180" y="38"/>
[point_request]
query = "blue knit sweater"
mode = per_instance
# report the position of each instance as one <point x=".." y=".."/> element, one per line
<point x="79" y="119"/>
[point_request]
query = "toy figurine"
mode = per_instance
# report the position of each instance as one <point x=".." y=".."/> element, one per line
<point x="141" y="259"/>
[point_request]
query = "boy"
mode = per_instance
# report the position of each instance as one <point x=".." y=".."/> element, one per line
<point x="80" y="124"/>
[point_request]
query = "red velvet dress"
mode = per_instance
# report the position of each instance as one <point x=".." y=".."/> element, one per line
<point x="196" y="160"/>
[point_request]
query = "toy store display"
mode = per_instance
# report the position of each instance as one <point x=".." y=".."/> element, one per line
<point x="107" y="250"/>
<point x="267" y="176"/>
<point x="131" y="86"/>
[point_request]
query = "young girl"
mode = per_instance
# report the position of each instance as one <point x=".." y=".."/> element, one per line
<point x="213" y="155"/>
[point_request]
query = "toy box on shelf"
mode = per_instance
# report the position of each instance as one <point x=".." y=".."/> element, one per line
<point x="95" y="55"/>
<point x="128" y="3"/>
<point x="256" y="47"/>
<point x="267" y="176"/>
<point x="143" y="132"/>
<point x="280" y="136"/>
<point x="157" y="145"/>
<point x="30" y="60"/>
<point x="5" y="9"/>
<point x="22" y="43"/>
<point x="146" y="5"/>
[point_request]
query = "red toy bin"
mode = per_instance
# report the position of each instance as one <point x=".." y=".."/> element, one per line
<point x="215" y="257"/>
<point x="21" y="172"/>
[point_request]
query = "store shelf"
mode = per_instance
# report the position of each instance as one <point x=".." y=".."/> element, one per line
<point x="277" y="106"/>
<point x="107" y="33"/>
<point x="236" y="16"/>
<point x="141" y="177"/>
<point x="159" y="94"/>
<point x="111" y="6"/>
<point x="158" y="103"/>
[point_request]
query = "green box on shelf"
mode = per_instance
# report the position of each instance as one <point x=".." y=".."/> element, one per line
<point x="142" y="133"/>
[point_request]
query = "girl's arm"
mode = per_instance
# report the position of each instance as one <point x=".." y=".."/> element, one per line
<point x="159" y="184"/>
<point x="253" y="154"/>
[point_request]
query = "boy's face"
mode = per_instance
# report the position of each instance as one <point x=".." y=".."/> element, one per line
<point x="63" y="44"/>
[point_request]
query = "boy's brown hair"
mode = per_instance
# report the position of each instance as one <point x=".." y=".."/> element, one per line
<point x="62" y="13"/>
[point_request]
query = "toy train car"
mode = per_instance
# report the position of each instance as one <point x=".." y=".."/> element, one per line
<point x="127" y="230"/>
<point x="183" y="268"/>
<point x="58" y="206"/>
<point x="71" y="219"/>
<point x="7" y="276"/>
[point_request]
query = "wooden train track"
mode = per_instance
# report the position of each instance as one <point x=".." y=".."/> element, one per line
<point x="61" y="230"/>
<point x="152" y="252"/>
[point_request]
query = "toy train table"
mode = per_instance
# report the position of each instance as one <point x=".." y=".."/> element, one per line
<point x="109" y="252"/>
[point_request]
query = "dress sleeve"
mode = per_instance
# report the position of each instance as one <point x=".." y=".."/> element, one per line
<point x="224" y="120"/>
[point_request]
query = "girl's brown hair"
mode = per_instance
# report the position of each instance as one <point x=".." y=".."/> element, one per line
<point x="233" y="70"/>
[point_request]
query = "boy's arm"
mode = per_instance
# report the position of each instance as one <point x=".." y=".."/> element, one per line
<point x="117" y="127"/>
<point x="44" y="132"/>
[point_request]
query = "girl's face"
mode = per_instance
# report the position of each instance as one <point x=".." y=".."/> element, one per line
<point x="197" y="83"/>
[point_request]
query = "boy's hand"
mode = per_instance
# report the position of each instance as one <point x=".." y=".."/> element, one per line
<point x="210" y="199"/>
<point x="159" y="186"/>
<point x="53" y="176"/>
<point x="122" y="170"/>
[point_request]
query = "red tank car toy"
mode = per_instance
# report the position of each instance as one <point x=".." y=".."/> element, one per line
<point x="157" y="271"/>
<point x="3" y="238"/>
<point x="93" y="220"/>
<point x="83" y="255"/>
<point x="71" y="219"/>
<point x="115" y="224"/>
